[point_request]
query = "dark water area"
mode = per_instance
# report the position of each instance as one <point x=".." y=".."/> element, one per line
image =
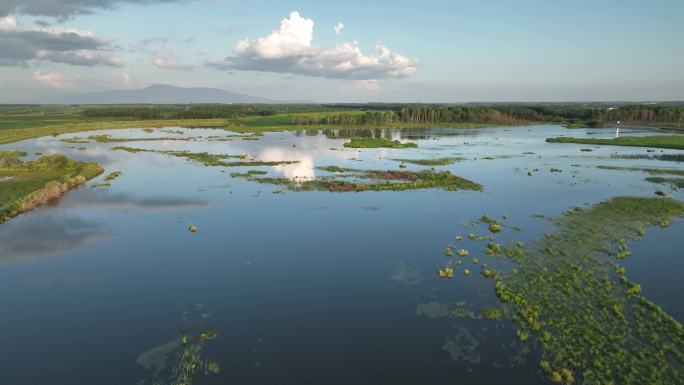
<point x="303" y="287"/>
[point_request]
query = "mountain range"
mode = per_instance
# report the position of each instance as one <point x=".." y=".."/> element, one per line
<point x="155" y="94"/>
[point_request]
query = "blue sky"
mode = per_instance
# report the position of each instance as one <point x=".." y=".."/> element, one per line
<point x="441" y="51"/>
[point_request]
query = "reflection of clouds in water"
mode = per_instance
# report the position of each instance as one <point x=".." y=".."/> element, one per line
<point x="127" y="201"/>
<point x="45" y="235"/>
<point x="304" y="170"/>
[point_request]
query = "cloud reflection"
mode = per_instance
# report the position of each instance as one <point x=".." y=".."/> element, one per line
<point x="125" y="201"/>
<point x="45" y="235"/>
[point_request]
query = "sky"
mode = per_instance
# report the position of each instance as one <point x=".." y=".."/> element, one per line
<point x="348" y="51"/>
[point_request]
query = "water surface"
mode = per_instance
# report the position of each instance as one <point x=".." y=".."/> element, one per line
<point x="304" y="287"/>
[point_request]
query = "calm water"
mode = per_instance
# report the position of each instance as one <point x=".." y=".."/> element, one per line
<point x="304" y="288"/>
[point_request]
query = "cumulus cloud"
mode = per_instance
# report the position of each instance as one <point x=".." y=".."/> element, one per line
<point x="166" y="60"/>
<point x="63" y="9"/>
<point x="289" y="49"/>
<point x="369" y="85"/>
<point x="52" y="79"/>
<point x="18" y="46"/>
<point x="338" y="28"/>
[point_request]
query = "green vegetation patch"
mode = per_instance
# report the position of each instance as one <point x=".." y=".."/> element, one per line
<point x="657" y="141"/>
<point x="33" y="183"/>
<point x="432" y="162"/>
<point x="355" y="180"/>
<point x="570" y="294"/>
<point x="378" y="143"/>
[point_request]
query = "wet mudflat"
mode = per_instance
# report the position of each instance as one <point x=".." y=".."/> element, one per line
<point x="109" y="285"/>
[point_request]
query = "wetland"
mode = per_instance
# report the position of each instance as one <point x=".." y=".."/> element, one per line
<point x="321" y="255"/>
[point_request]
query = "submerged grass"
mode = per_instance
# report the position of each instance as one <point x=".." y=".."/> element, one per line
<point x="663" y="157"/>
<point x="378" y="143"/>
<point x="569" y="294"/>
<point x="657" y="141"/>
<point x="108" y="139"/>
<point x="432" y="162"/>
<point x="208" y="159"/>
<point x="649" y="170"/>
<point x="677" y="182"/>
<point x="33" y="183"/>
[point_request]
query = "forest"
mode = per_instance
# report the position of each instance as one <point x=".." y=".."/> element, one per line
<point x="387" y="114"/>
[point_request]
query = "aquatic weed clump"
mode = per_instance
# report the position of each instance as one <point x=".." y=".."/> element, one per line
<point x="593" y="325"/>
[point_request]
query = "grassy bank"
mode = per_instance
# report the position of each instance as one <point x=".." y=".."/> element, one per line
<point x="29" y="184"/>
<point x="658" y="141"/>
<point x="10" y="135"/>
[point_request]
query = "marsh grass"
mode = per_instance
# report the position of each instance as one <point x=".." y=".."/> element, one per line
<point x="356" y="180"/>
<point x="593" y="325"/>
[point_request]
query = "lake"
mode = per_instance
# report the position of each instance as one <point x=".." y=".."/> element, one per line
<point x="302" y="287"/>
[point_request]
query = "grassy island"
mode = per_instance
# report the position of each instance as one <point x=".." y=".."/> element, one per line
<point x="25" y="185"/>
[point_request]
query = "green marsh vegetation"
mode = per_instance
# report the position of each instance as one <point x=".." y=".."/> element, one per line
<point x="378" y="143"/>
<point x="571" y="296"/>
<point x="29" y="184"/>
<point x="356" y="180"/>
<point x="656" y="141"/>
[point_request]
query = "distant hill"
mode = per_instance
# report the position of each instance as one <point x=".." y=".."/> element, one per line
<point x="155" y="94"/>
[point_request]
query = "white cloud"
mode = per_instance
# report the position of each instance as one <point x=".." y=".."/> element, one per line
<point x="8" y="22"/>
<point x="338" y="28"/>
<point x="166" y="60"/>
<point x="125" y="79"/>
<point x="370" y="85"/>
<point x="289" y="49"/>
<point x="52" y="79"/>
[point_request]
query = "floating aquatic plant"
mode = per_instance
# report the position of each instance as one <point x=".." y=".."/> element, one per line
<point x="495" y="227"/>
